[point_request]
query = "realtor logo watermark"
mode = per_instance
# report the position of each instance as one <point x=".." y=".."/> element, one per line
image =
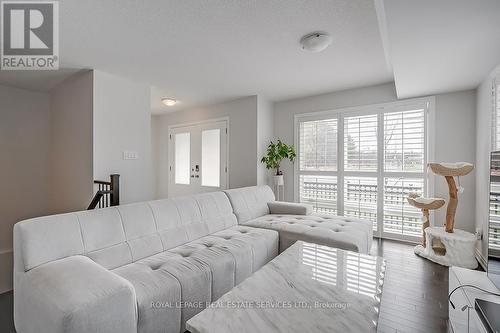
<point x="29" y="35"/>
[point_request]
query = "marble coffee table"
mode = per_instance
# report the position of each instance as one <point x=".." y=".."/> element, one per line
<point x="307" y="288"/>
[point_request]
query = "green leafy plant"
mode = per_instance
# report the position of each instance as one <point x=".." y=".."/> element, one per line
<point x="277" y="152"/>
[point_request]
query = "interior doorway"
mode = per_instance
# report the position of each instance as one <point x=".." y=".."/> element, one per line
<point x="198" y="157"/>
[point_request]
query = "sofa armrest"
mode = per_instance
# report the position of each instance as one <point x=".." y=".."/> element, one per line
<point x="73" y="294"/>
<point x="289" y="208"/>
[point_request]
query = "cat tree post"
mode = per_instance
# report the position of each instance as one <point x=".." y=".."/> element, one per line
<point x="451" y="209"/>
<point x="449" y="171"/>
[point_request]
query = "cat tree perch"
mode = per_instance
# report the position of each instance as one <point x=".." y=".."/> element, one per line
<point x="425" y="204"/>
<point x="446" y="246"/>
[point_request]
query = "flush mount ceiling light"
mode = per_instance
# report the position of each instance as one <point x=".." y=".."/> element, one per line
<point x="169" y="101"/>
<point x="316" y="41"/>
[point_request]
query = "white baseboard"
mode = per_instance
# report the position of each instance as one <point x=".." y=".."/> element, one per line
<point x="6" y="269"/>
<point x="481" y="259"/>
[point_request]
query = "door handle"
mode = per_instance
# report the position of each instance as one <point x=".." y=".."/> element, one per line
<point x="197" y="176"/>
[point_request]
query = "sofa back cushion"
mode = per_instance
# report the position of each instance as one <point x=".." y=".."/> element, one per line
<point x="45" y="239"/>
<point x="104" y="238"/>
<point x="180" y="220"/>
<point x="117" y="236"/>
<point x="250" y="202"/>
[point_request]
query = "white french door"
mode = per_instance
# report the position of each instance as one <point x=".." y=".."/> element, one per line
<point x="198" y="158"/>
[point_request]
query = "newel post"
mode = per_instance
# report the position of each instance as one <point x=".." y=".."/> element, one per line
<point x="115" y="190"/>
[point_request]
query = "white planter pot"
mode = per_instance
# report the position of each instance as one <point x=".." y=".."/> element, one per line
<point x="278" y="180"/>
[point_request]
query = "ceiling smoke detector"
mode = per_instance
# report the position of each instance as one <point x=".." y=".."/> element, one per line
<point x="316" y="41"/>
<point x="169" y="101"/>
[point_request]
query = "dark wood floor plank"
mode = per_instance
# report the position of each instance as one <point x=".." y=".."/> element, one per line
<point x="414" y="297"/>
<point x="7" y="313"/>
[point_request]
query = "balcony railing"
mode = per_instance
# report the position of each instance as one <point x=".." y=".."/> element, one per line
<point x="360" y="200"/>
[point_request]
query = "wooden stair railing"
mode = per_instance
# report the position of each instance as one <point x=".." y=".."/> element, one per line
<point x="108" y="193"/>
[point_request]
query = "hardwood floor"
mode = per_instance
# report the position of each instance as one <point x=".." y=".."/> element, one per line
<point x="415" y="291"/>
<point x="7" y="313"/>
<point x="414" y="297"/>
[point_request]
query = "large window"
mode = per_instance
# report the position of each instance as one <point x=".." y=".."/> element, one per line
<point x="495" y="129"/>
<point x="364" y="163"/>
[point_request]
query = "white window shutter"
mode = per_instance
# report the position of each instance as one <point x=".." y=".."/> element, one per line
<point x="495" y="115"/>
<point x="360" y="143"/>
<point x="318" y="145"/>
<point x="404" y="141"/>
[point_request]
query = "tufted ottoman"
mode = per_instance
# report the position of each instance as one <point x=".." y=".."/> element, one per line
<point x="256" y="207"/>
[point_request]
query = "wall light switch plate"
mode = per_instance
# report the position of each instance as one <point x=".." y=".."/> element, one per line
<point x="479" y="234"/>
<point x="130" y="155"/>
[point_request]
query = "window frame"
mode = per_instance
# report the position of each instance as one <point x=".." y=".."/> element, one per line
<point x="495" y="90"/>
<point x="494" y="147"/>
<point x="427" y="103"/>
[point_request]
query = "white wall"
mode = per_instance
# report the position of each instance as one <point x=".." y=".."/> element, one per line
<point x="483" y="149"/>
<point x="455" y="140"/>
<point x="53" y="145"/>
<point x="71" y="170"/>
<point x="242" y="115"/>
<point x="122" y="122"/>
<point x="24" y="161"/>
<point x="265" y="133"/>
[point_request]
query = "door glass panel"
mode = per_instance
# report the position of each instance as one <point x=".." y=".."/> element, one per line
<point x="210" y="157"/>
<point x="182" y="157"/>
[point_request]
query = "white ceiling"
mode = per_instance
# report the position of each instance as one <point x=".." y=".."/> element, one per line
<point x="206" y="51"/>
<point x="441" y="46"/>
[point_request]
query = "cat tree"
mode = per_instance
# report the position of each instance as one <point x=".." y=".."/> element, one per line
<point x="446" y="246"/>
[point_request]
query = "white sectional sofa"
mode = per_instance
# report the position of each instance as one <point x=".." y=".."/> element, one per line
<point x="256" y="207"/>
<point x="149" y="267"/>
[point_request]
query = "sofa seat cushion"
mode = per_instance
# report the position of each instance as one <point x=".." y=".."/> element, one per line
<point x="335" y="231"/>
<point x="264" y="243"/>
<point x="175" y="285"/>
<point x="184" y="281"/>
<point x="249" y="248"/>
<point x="158" y="294"/>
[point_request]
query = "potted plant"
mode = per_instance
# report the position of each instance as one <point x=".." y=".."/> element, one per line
<point x="277" y="152"/>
